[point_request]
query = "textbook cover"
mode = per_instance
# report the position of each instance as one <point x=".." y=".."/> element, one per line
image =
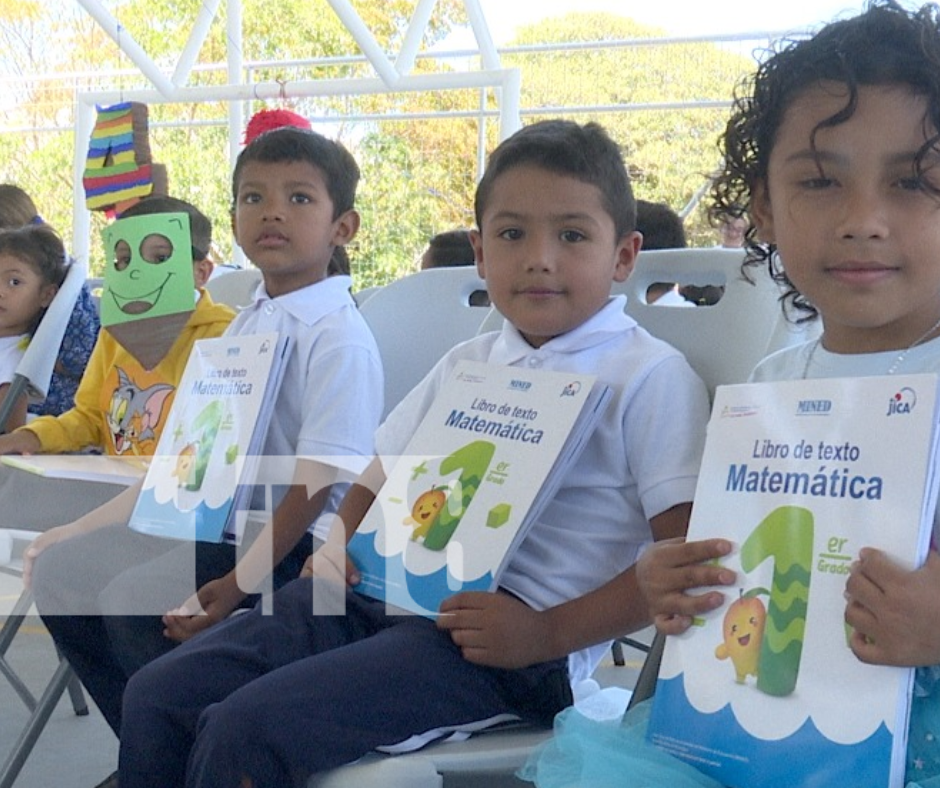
<point x="102" y="468"/>
<point x="488" y="455"/>
<point x="800" y="475"/>
<point x="207" y="456"/>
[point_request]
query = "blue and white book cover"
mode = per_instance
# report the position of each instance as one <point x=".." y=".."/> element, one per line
<point x="800" y="475"/>
<point x="202" y="470"/>
<point x="488" y="454"/>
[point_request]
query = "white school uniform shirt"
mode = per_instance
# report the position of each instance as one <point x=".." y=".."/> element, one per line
<point x="642" y="459"/>
<point x="331" y="398"/>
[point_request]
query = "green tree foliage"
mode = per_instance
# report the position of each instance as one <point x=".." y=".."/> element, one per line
<point x="419" y="172"/>
<point x="670" y="152"/>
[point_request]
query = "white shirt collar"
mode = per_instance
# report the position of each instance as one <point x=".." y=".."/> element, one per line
<point x="510" y="347"/>
<point x="309" y="304"/>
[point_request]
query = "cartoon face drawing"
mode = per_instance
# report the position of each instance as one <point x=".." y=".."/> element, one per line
<point x="133" y="413"/>
<point x="743" y="631"/>
<point x="423" y="512"/>
<point x="150" y="268"/>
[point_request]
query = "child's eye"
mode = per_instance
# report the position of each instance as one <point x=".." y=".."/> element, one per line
<point x="14" y="282"/>
<point x="251" y="198"/>
<point x="510" y="234"/>
<point x="121" y="262"/>
<point x="572" y="236"/>
<point x="914" y="184"/>
<point x="300" y="198"/>
<point x="819" y="182"/>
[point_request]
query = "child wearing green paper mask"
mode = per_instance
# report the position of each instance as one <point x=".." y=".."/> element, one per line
<point x="128" y="385"/>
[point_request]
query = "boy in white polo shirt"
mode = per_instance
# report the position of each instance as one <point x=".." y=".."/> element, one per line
<point x="269" y="700"/>
<point x="105" y="590"/>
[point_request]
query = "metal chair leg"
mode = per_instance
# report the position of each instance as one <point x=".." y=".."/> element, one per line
<point x="34" y="726"/>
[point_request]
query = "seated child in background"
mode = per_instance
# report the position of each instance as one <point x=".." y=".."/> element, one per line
<point x="18" y="210"/>
<point x="122" y="402"/>
<point x="447" y="250"/>
<point x="267" y="700"/>
<point x="102" y="588"/>
<point x="453" y="249"/>
<point x="32" y="266"/>
<point x="833" y="148"/>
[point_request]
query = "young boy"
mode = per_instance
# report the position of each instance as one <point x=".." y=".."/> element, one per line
<point x="293" y="204"/>
<point x="115" y="374"/>
<point x="268" y="700"/>
<point x="129" y="381"/>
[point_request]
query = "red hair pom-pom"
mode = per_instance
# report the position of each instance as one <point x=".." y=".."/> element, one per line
<point x="270" y="119"/>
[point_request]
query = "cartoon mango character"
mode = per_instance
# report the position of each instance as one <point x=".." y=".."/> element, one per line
<point x="424" y="510"/>
<point x="743" y="631"/>
<point x="185" y="465"/>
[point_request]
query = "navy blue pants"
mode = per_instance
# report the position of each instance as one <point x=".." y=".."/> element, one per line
<point x="102" y="595"/>
<point x="275" y="698"/>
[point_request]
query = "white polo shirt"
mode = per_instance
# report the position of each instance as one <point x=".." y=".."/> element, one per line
<point x="331" y="399"/>
<point x="642" y="459"/>
<point x="11" y="353"/>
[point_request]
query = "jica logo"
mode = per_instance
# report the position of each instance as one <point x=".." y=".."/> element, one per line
<point x="902" y="402"/>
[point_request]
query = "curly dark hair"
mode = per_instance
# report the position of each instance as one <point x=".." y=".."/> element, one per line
<point x="884" y="45"/>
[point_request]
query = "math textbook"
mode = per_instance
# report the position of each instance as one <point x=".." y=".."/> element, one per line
<point x="799" y="476"/>
<point x="490" y="452"/>
<point x="202" y="472"/>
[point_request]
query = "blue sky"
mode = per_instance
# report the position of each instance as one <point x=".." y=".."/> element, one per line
<point x="676" y="17"/>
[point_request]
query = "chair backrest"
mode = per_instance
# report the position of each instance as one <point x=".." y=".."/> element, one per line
<point x="34" y="371"/>
<point x="417" y="319"/>
<point x="361" y="296"/>
<point x="724" y="341"/>
<point x="234" y="288"/>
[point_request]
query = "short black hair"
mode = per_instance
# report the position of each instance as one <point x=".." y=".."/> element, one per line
<point x="661" y="226"/>
<point x="287" y="144"/>
<point x="450" y="249"/>
<point x="585" y="153"/>
<point x="200" y="226"/>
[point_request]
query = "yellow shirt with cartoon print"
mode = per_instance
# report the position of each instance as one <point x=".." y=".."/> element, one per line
<point x="120" y="407"/>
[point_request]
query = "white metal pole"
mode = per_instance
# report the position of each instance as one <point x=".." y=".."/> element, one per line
<point x="81" y="217"/>
<point x="236" y="109"/>
<point x="413" y="36"/>
<point x="204" y="20"/>
<point x="129" y="46"/>
<point x="367" y="43"/>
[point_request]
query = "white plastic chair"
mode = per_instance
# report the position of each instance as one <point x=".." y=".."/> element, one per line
<point x="417" y="319"/>
<point x="234" y="288"/>
<point x="33" y="374"/>
<point x="722" y="342"/>
<point x="361" y="296"/>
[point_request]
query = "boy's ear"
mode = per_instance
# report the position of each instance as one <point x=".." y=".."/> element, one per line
<point x="202" y="270"/>
<point x="761" y="212"/>
<point x="345" y="227"/>
<point x="476" y="241"/>
<point x="47" y="294"/>
<point x="628" y="247"/>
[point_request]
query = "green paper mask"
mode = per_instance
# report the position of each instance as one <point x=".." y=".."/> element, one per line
<point x="149" y="270"/>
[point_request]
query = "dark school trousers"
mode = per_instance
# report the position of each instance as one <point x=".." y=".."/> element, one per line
<point x="272" y="699"/>
<point x="102" y="596"/>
